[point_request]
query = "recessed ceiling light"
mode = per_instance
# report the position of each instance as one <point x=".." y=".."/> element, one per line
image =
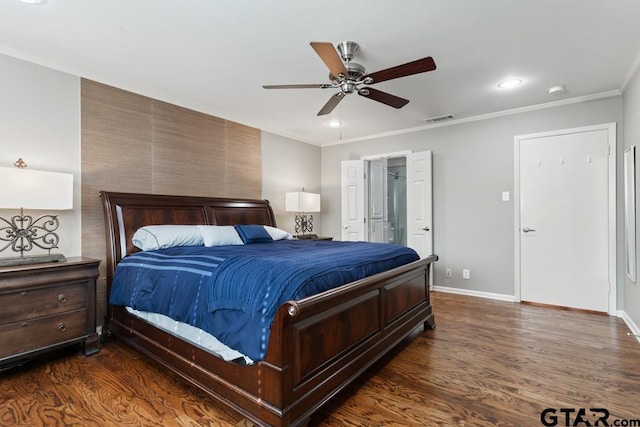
<point x="335" y="123"/>
<point x="510" y="84"/>
<point x="36" y="2"/>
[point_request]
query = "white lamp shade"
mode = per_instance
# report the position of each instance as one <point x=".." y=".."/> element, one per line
<point x="29" y="189"/>
<point x="301" y="201"/>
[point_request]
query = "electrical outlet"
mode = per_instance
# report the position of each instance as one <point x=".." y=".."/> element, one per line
<point x="448" y="273"/>
<point x="466" y="274"/>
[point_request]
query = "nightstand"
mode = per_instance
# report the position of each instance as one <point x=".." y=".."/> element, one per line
<point x="47" y="306"/>
<point x="311" y="237"/>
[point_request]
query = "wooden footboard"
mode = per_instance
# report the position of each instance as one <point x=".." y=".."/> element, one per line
<point x="317" y="345"/>
<point x="327" y="340"/>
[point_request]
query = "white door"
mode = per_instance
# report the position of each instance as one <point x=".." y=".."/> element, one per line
<point x="419" y="203"/>
<point x="564" y="224"/>
<point x="377" y="200"/>
<point x="353" y="203"/>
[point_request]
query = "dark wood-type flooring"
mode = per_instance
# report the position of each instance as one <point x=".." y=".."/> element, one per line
<point x="487" y="363"/>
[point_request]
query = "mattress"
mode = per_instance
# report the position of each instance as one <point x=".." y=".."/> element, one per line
<point x="195" y="336"/>
<point x="234" y="292"/>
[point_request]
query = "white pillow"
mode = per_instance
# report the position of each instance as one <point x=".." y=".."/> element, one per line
<point x="153" y="237"/>
<point x="277" y="234"/>
<point x="219" y="235"/>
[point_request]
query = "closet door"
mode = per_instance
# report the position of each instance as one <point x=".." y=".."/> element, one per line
<point x="565" y="225"/>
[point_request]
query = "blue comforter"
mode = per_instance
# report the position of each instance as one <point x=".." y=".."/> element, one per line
<point x="233" y="292"/>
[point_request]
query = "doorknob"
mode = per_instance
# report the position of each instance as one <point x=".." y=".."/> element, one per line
<point x="425" y="229"/>
<point x="527" y="229"/>
<point x="346" y="227"/>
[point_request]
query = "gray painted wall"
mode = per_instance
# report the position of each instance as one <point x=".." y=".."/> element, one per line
<point x="289" y="165"/>
<point x="473" y="164"/>
<point x="40" y="122"/>
<point x="632" y="137"/>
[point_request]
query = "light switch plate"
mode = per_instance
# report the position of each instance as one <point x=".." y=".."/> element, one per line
<point x="505" y="196"/>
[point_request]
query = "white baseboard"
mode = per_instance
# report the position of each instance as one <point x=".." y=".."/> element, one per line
<point x="635" y="330"/>
<point x="488" y="295"/>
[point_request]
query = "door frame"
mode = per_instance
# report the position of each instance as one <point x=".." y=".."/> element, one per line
<point x="612" y="215"/>
<point x="387" y="155"/>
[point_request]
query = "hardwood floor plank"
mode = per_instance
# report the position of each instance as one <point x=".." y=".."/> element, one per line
<point x="486" y="363"/>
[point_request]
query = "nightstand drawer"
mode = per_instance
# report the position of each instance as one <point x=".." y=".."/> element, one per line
<point x="30" y="303"/>
<point x="27" y="335"/>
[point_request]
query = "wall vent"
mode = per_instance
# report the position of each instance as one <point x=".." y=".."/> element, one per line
<point x="439" y="118"/>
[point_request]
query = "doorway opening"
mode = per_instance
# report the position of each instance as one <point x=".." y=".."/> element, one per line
<point x="387" y="198"/>
<point x="397" y="201"/>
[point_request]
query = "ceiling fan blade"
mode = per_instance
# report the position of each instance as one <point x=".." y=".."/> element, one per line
<point x="331" y="104"/>
<point x="330" y="57"/>
<point x="420" y="66"/>
<point x="302" y="86"/>
<point x="384" y="97"/>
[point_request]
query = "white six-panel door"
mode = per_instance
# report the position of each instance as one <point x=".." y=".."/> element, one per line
<point x="353" y="225"/>
<point x="419" y="203"/>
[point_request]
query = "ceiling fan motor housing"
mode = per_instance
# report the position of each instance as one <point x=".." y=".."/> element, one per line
<point x="354" y="72"/>
<point x="348" y="50"/>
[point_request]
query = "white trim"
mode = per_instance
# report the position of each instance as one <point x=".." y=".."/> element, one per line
<point x="632" y="72"/>
<point x="576" y="100"/>
<point x="612" y="274"/>
<point x="480" y="294"/>
<point x="635" y="330"/>
<point x="387" y="155"/>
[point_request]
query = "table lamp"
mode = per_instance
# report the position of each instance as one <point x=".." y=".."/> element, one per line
<point x="21" y="188"/>
<point x="302" y="203"/>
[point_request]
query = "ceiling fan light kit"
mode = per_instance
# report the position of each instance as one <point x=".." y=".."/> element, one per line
<point x="349" y="77"/>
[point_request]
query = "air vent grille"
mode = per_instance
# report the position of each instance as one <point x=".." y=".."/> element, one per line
<point x="439" y="118"/>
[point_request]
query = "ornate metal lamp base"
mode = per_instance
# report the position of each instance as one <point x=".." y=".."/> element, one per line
<point x="304" y="223"/>
<point x="23" y="232"/>
<point x="31" y="259"/>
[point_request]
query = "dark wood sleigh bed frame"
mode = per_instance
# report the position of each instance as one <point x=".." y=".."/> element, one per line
<point x="317" y="345"/>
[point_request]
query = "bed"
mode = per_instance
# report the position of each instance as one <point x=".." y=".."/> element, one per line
<point x="303" y="365"/>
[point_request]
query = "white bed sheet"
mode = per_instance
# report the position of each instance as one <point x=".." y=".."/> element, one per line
<point x="192" y="334"/>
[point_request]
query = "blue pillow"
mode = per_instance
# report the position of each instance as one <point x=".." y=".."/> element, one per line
<point x="253" y="234"/>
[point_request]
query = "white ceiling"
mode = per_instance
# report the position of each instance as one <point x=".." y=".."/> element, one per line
<point x="215" y="55"/>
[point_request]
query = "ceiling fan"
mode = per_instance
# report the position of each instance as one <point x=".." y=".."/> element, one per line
<point x="351" y="77"/>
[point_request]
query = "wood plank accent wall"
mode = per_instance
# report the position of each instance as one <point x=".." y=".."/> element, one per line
<point x="132" y="143"/>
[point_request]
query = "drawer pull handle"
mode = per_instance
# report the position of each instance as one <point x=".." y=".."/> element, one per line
<point x="23" y="324"/>
<point x="23" y="293"/>
<point x="62" y="298"/>
<point x="62" y="327"/>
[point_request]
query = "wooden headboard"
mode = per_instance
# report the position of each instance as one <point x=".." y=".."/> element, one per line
<point x="124" y="213"/>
